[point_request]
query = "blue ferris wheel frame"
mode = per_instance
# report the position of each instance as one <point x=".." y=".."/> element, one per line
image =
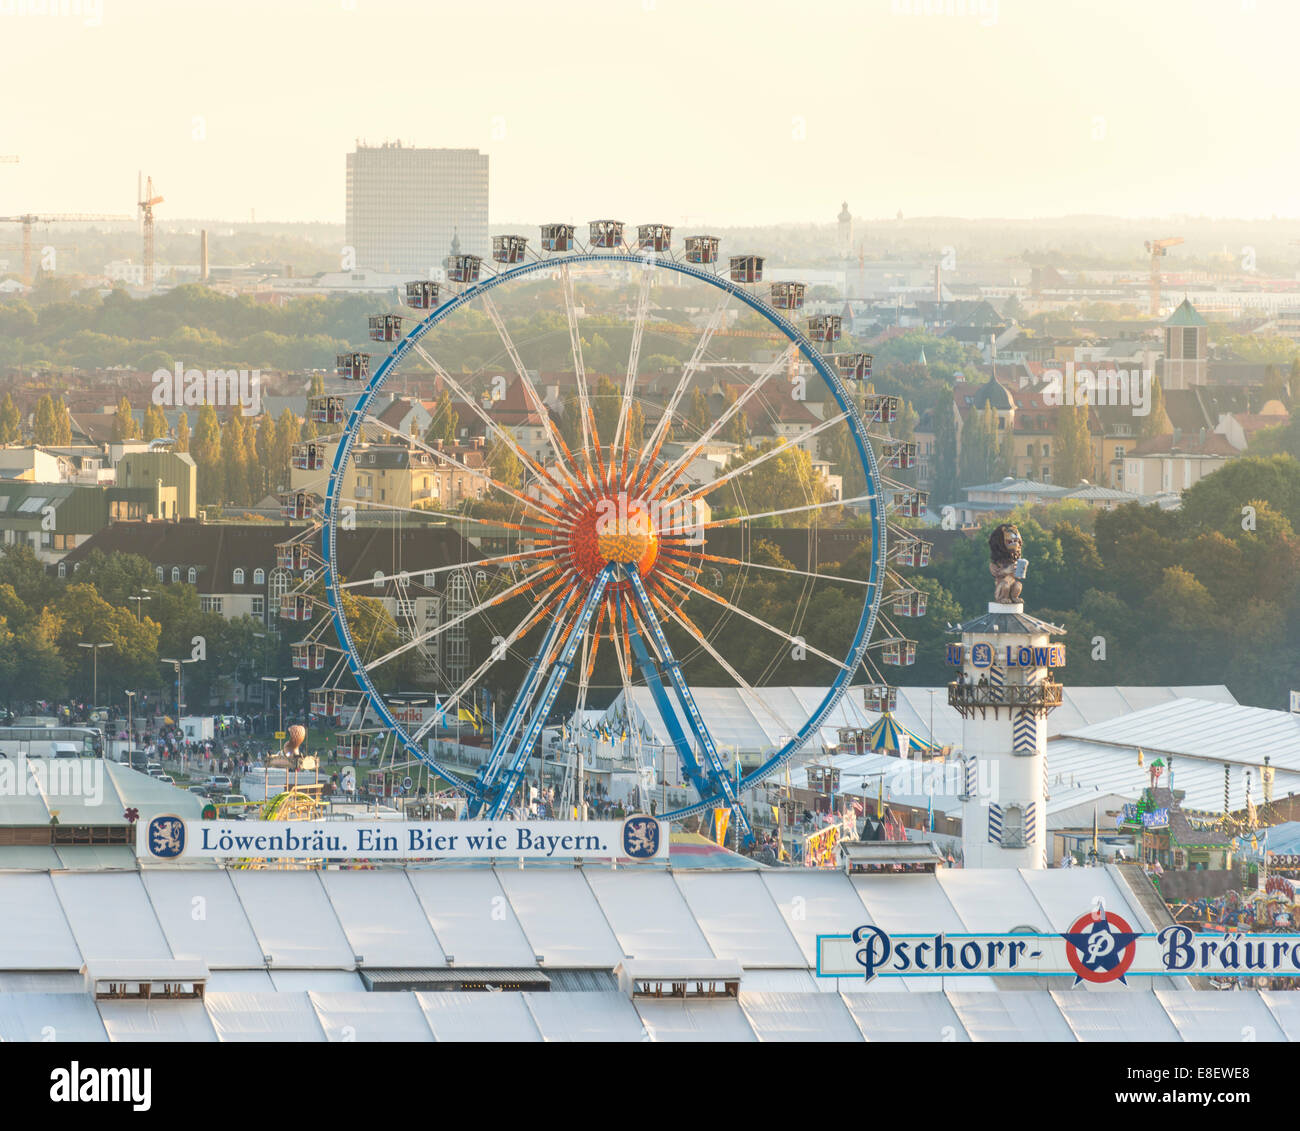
<point x="857" y="429"/>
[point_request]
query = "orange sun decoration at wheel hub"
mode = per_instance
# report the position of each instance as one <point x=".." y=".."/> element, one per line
<point x="610" y="530"/>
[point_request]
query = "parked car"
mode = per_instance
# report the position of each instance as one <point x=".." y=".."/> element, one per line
<point x="233" y="805"/>
<point x="219" y="783"/>
<point x="199" y="790"/>
<point x="166" y="779"/>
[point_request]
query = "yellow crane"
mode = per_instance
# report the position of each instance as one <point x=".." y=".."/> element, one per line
<point x="147" y="201"/>
<point x="1158" y="248"/>
<point x="27" y="220"/>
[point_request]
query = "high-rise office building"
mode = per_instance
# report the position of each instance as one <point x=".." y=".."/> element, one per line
<point x="405" y="205"/>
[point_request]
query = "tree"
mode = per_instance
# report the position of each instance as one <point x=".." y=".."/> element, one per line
<point x="1072" y="446"/>
<point x="506" y="466"/>
<point x="233" y="469"/>
<point x="124" y="425"/>
<point x="288" y="432"/>
<point x="155" y="423"/>
<point x="736" y="430"/>
<point x="62" y="424"/>
<point x="445" y="422"/>
<point x="182" y="433"/>
<point x="1155" y="422"/>
<point x="45" y="427"/>
<point x="11" y="431"/>
<point x="264" y="446"/>
<point x="697" y="413"/>
<point x="205" y="447"/>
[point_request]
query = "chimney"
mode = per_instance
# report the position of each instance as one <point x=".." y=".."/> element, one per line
<point x="203" y="255"/>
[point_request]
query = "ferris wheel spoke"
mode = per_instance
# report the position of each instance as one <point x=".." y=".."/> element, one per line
<point x="784" y="446"/>
<point x="579" y="369"/>
<point x="684" y="583"/>
<point x="782" y="569"/>
<point x="409" y="575"/>
<point x="541" y="508"/>
<point x="669" y="475"/>
<point x="533" y="578"/>
<point x="493" y="426"/>
<point x="657" y="595"/>
<point x="556" y="440"/>
<point x="539" y="611"/>
<point x="633" y="362"/>
<point x="788" y="510"/>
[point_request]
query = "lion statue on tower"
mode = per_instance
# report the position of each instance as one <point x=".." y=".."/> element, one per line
<point x="1006" y="564"/>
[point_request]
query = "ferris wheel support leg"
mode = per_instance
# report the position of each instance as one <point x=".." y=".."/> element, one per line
<point x="721" y="782"/>
<point x="490" y="771"/>
<point x="690" y="764"/>
<point x="497" y="799"/>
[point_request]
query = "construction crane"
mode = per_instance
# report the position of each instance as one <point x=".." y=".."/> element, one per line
<point x="147" y="201"/>
<point x="1158" y="248"/>
<point x="30" y="219"/>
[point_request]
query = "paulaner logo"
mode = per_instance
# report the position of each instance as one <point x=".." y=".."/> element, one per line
<point x="75" y="1084"/>
<point x="1130" y="387"/>
<point x="221" y="388"/>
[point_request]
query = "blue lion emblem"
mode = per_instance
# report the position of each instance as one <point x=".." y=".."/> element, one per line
<point x="641" y="837"/>
<point x="166" y="837"/>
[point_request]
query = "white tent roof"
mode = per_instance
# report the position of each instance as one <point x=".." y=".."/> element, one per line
<point x="157" y="1021"/>
<point x="365" y="1016"/>
<point x="736" y="914"/>
<point x="34" y="932"/>
<point x="721" y="1020"/>
<point x="280" y="1017"/>
<point x="50" y="1017"/>
<point x="603" y="1017"/>
<point x="741" y="721"/>
<point x="293" y="919"/>
<point x="905" y="1017"/>
<point x="1115" y="1016"/>
<point x="87" y="791"/>
<point x="799" y="1017"/>
<point x="110" y="916"/>
<point x="472" y="917"/>
<point x="382" y="918"/>
<point x="1010" y="1016"/>
<point x="648" y="914"/>
<point x="502" y="1017"/>
<point x="561" y="918"/>
<point x="202" y="917"/>
<point x="814" y="903"/>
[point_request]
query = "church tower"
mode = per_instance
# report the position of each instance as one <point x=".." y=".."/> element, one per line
<point x="1186" y="361"/>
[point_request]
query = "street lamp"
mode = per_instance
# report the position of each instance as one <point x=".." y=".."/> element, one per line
<point x="281" y="680"/>
<point x="138" y="605"/>
<point x="94" y="654"/>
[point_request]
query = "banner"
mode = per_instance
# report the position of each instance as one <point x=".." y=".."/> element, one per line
<point x="169" y="837"/>
<point x="1099" y="947"/>
<point x="819" y="848"/>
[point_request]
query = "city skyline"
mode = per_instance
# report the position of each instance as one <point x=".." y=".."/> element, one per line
<point x="1081" y="109"/>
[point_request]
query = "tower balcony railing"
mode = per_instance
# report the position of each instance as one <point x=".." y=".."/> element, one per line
<point x="970" y="697"/>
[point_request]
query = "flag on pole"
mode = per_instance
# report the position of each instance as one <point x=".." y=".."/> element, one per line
<point x="721" y="817"/>
<point x="880" y="797"/>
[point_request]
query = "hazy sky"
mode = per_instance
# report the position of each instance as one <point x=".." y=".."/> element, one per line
<point x="700" y="111"/>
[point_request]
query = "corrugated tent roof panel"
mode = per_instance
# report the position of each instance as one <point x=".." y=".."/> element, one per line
<point x="736" y="913"/>
<point x="110" y="915"/>
<point x="496" y="1018"/>
<point x="561" y="918"/>
<point x="201" y="916"/>
<point x="906" y="1017"/>
<point x="1010" y="1017"/>
<point x="50" y="1017"/>
<point x="710" y="1021"/>
<point x="585" y="1017"/>
<point x="648" y="914"/>
<point x="318" y="981"/>
<point x="1066" y="893"/>
<point x="293" y="919"/>
<point x="382" y="918"/>
<point x="130" y="1021"/>
<point x="1202" y="1016"/>
<point x="472" y="918"/>
<point x="34" y="932"/>
<point x="278" y="1017"/>
<point x="986" y="902"/>
<point x="1116" y="1015"/>
<point x="799" y="1017"/>
<point x="1285" y="1008"/>
<point x="813" y="903"/>
<point x="370" y="1017"/>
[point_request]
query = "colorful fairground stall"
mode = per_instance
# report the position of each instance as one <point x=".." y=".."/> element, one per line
<point x="1170" y="838"/>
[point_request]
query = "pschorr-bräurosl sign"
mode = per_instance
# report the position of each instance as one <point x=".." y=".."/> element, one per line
<point x="169" y="837"/>
<point x="1099" y="947"/>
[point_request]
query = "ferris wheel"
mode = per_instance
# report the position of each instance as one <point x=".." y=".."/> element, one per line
<point x="632" y="529"/>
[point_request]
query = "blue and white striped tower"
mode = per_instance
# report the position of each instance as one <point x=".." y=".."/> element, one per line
<point x="1004" y="691"/>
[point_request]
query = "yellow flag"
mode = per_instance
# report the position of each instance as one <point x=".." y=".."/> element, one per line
<point x="776" y="813"/>
<point x="880" y="798"/>
<point x="721" y="817"/>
